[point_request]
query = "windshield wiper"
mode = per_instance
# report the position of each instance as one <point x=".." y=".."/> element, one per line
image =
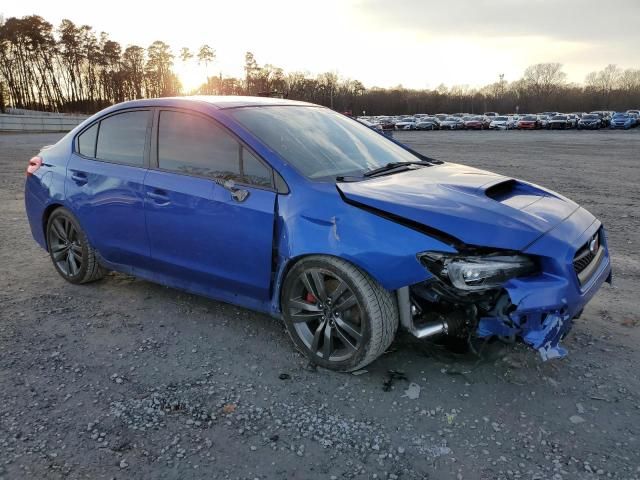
<point x="392" y="166"/>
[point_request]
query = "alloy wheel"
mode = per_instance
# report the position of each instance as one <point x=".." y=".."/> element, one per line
<point x="65" y="246"/>
<point x="326" y="315"/>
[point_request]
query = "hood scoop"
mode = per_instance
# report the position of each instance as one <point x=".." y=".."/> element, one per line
<point x="501" y="190"/>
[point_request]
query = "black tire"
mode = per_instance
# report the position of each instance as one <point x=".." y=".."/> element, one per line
<point x="357" y="335"/>
<point x="71" y="253"/>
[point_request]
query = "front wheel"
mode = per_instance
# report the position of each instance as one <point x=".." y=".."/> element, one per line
<point x="72" y="256"/>
<point x="337" y="315"/>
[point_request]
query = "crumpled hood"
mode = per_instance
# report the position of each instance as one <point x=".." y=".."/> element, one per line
<point x="477" y="207"/>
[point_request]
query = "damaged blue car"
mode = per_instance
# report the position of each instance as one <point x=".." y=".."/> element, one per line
<point x="296" y="211"/>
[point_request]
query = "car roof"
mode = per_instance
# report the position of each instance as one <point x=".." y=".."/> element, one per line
<point x="216" y="101"/>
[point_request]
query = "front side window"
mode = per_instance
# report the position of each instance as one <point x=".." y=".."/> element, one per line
<point x="318" y="142"/>
<point x="194" y="145"/>
<point x="122" y="138"/>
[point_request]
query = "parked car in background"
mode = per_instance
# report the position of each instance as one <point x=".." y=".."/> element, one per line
<point x="406" y="123"/>
<point x="502" y="122"/>
<point x="590" y="121"/>
<point x="387" y="123"/>
<point x="528" y="122"/>
<point x="369" y="235"/>
<point x="491" y="114"/>
<point x="373" y="126"/>
<point x="558" y="122"/>
<point x="605" y="117"/>
<point x="452" y="123"/>
<point x="543" y="120"/>
<point x="473" y="123"/>
<point x="521" y="121"/>
<point x="622" y="120"/>
<point x="428" y="123"/>
<point x="572" y="120"/>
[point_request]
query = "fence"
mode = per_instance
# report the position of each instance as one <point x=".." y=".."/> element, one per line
<point x="26" y="121"/>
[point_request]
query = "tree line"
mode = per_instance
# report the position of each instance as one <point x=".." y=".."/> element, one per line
<point x="72" y="68"/>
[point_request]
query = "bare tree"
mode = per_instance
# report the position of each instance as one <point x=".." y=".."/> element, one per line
<point x="206" y="56"/>
<point x="71" y="68"/>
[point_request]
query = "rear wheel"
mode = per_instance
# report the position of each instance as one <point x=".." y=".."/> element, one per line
<point x="336" y="314"/>
<point x="72" y="255"/>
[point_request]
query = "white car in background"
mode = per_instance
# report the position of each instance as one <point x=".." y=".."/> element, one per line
<point x="451" y="123"/>
<point x="428" y="123"/>
<point x="406" y="123"/>
<point x="502" y="123"/>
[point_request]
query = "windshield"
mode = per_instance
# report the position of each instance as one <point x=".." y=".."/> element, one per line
<point x="500" y="119"/>
<point x="530" y="119"/>
<point x="590" y="117"/>
<point x="319" y="142"/>
<point x="559" y="117"/>
<point x="618" y="115"/>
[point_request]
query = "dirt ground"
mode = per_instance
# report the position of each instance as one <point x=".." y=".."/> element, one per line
<point x="127" y="379"/>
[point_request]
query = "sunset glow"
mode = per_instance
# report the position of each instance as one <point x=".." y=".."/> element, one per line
<point x="412" y="43"/>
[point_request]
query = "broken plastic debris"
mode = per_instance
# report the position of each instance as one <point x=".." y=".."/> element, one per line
<point x="413" y="392"/>
<point x="541" y="331"/>
<point x="391" y="376"/>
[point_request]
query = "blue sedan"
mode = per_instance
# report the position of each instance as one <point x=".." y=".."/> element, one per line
<point x="294" y="210"/>
<point x="622" y="120"/>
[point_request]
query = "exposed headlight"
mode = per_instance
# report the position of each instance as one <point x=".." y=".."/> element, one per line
<point x="482" y="272"/>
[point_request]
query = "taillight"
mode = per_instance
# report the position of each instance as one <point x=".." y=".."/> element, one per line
<point x="34" y="164"/>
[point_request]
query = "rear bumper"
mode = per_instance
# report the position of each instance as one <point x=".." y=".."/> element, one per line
<point x="35" y="208"/>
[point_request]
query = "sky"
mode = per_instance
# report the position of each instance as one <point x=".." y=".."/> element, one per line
<point x="414" y="43"/>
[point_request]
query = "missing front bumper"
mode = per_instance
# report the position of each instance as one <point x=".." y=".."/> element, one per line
<point x="538" y="309"/>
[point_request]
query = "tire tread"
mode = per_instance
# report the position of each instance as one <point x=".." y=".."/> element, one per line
<point x="94" y="271"/>
<point x="380" y="305"/>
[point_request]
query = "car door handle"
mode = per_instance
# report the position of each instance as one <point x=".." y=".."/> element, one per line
<point x="80" y="178"/>
<point x="159" y="197"/>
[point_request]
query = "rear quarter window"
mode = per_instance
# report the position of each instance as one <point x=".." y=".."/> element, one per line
<point x="87" y="141"/>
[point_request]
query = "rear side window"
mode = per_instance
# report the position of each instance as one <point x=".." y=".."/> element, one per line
<point x="122" y="137"/>
<point x="193" y="145"/>
<point x="87" y="141"/>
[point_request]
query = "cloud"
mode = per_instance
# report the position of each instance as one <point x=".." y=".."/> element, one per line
<point x="594" y="21"/>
